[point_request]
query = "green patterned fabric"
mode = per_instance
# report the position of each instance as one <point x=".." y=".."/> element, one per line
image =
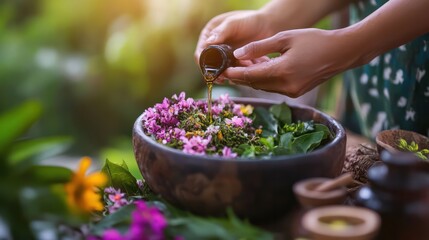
<point x="392" y="91"/>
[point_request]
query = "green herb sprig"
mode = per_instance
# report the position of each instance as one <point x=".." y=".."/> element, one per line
<point x="414" y="148"/>
<point x="281" y="136"/>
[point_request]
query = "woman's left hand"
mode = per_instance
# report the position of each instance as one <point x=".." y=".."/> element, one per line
<point x="307" y="58"/>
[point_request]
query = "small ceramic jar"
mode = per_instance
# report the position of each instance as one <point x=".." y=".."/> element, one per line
<point x="341" y="223"/>
<point x="308" y="197"/>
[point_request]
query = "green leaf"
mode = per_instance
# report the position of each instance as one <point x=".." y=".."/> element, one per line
<point x="16" y="122"/>
<point x="282" y="113"/>
<point x="119" y="220"/>
<point x="278" y="151"/>
<point x="268" y="142"/>
<point x="38" y="149"/>
<point x="120" y="177"/>
<point x="286" y="140"/>
<point x="191" y="226"/>
<point x="321" y="127"/>
<point x="241" y="148"/>
<point x="402" y="143"/>
<point x="307" y="142"/>
<point x="265" y="119"/>
<point x="420" y="155"/>
<point x="425" y="151"/>
<point x="413" y="146"/>
<point x="249" y="152"/>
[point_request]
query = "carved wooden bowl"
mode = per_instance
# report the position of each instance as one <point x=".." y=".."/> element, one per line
<point x="253" y="188"/>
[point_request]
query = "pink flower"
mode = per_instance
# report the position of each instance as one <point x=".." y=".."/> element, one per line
<point x="217" y="108"/>
<point x="224" y="99"/>
<point x="147" y="223"/>
<point x="238" y="121"/>
<point x="236" y="110"/>
<point x="196" y="145"/>
<point x="112" y="234"/>
<point x="227" y="152"/>
<point x="181" y="97"/>
<point x="212" y="129"/>
<point x="117" y="199"/>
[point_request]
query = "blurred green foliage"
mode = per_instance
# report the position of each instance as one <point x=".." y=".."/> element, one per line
<point x="97" y="64"/>
<point x="30" y="193"/>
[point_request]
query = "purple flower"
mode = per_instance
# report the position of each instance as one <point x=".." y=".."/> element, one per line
<point x="212" y="129"/>
<point x="224" y="99"/>
<point x="112" y="234"/>
<point x="217" y="108"/>
<point x="227" y="152"/>
<point x="140" y="184"/>
<point x="238" y="121"/>
<point x="236" y="110"/>
<point x="196" y="144"/>
<point x="178" y="122"/>
<point x="147" y="223"/>
<point x="178" y="133"/>
<point x="181" y="97"/>
<point x="117" y="199"/>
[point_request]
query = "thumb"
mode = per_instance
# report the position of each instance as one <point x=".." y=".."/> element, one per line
<point x="221" y="33"/>
<point x="276" y="43"/>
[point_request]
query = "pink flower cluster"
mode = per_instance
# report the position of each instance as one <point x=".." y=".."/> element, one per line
<point x="161" y="121"/>
<point x="182" y="123"/>
<point x="147" y="223"/>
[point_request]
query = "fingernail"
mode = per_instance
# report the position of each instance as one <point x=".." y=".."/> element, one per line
<point x="238" y="53"/>
<point x="212" y="38"/>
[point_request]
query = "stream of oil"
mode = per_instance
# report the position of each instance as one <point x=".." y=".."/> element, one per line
<point x="209" y="76"/>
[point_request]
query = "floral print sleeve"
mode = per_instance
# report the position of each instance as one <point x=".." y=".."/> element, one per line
<point x="392" y="91"/>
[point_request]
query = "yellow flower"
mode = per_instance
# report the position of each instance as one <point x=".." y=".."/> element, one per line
<point x="220" y="135"/>
<point x="82" y="194"/>
<point x="246" y="109"/>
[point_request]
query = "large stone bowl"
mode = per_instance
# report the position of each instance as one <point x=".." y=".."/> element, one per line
<point x="254" y="188"/>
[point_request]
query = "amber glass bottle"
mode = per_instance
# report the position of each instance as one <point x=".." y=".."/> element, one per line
<point x="215" y="59"/>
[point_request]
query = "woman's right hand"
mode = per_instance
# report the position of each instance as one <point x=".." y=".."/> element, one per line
<point x="236" y="29"/>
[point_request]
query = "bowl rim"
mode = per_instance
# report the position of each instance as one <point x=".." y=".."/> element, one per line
<point x="138" y="130"/>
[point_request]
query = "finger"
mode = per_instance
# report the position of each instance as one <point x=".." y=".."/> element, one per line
<point x="239" y="82"/>
<point x="202" y="43"/>
<point x="243" y="63"/>
<point x="252" y="73"/>
<point x="206" y="37"/>
<point x="276" y="43"/>
<point x="222" y="32"/>
<point x="260" y="60"/>
<point x="220" y="80"/>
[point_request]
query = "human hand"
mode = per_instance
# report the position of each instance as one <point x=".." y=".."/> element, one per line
<point x="308" y="58"/>
<point x="235" y="28"/>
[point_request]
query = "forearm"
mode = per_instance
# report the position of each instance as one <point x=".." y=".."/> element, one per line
<point x="394" y="24"/>
<point x="293" y="14"/>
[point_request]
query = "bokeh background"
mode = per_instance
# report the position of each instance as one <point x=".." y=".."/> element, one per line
<point x="95" y="65"/>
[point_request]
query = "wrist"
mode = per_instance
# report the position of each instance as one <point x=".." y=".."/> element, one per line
<point x="270" y="27"/>
<point x="357" y="44"/>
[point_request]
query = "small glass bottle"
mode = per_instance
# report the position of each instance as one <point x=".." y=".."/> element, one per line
<point x="399" y="191"/>
<point x="214" y="59"/>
